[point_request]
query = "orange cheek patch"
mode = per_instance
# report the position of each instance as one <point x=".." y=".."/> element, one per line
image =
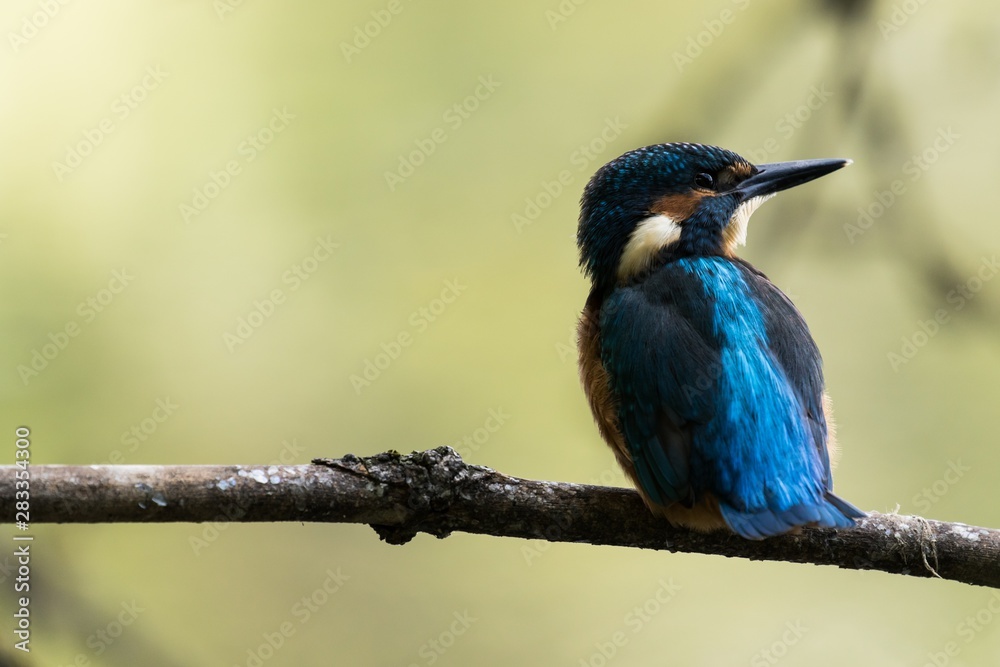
<point x="678" y="207"/>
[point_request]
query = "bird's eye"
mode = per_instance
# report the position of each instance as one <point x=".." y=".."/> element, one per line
<point x="704" y="180"/>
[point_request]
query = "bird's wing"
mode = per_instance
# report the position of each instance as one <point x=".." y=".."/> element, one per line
<point x="802" y="365"/>
<point x="801" y="362"/>
<point x="662" y="365"/>
<point x="719" y="388"/>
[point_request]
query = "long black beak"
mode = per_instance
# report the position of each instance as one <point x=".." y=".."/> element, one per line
<point x="778" y="176"/>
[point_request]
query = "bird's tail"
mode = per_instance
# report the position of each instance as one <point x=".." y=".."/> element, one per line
<point x="829" y="512"/>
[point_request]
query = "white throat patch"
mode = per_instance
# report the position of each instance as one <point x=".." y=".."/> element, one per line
<point x="650" y="236"/>
<point x="735" y="233"/>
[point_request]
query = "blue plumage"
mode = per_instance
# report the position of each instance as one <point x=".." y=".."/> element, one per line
<point x="703" y="376"/>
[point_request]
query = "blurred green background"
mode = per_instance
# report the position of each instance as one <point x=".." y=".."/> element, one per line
<point x="237" y="206"/>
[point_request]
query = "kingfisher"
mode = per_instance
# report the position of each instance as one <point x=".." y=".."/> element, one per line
<point x="702" y="375"/>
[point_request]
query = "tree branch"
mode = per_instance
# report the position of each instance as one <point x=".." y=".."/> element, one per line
<point x="437" y="493"/>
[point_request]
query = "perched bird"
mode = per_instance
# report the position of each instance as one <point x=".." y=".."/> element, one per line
<point x="702" y="375"/>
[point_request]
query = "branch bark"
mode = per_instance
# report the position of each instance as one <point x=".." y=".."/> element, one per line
<point x="437" y="493"/>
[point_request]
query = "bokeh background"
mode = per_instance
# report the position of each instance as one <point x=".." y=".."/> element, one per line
<point x="237" y="206"/>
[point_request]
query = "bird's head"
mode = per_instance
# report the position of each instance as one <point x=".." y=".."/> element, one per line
<point x="680" y="199"/>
